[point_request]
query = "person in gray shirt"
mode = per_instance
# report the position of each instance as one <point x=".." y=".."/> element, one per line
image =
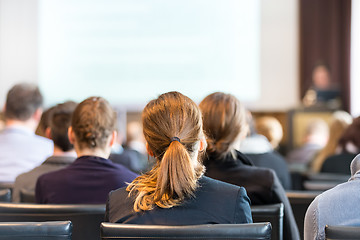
<point x="64" y="154"/>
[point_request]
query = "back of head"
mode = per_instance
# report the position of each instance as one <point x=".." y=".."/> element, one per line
<point x="22" y="101"/>
<point x="317" y="131"/>
<point x="59" y="122"/>
<point x="339" y="123"/>
<point x="271" y="128"/>
<point x="93" y="121"/>
<point x="172" y="128"/>
<point x="225" y="121"/>
<point x="351" y="137"/>
<point x="44" y="122"/>
<point x="134" y="132"/>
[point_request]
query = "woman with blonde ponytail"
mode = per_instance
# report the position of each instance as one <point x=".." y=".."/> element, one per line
<point x="174" y="191"/>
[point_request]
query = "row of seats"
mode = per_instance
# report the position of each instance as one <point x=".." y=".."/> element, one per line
<point x="87" y="218"/>
<point x="299" y="200"/>
<point x="111" y="231"/>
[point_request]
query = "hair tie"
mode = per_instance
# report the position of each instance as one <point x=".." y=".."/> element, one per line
<point x="175" y="139"/>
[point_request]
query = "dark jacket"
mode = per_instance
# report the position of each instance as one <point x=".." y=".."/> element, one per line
<point x="132" y="160"/>
<point x="27" y="181"/>
<point x="261" y="184"/>
<point x="276" y="162"/>
<point x="86" y="181"/>
<point x="214" y="202"/>
<point x="338" y="163"/>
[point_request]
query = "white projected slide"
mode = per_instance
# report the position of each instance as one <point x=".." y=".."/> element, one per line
<point x="130" y="51"/>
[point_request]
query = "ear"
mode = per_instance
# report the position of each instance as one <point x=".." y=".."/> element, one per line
<point x="113" y="138"/>
<point x="37" y="114"/>
<point x="149" y="150"/>
<point x="203" y="144"/>
<point x="71" y="135"/>
<point x="48" y="133"/>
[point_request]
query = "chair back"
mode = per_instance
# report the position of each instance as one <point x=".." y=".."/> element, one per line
<point x="27" y="196"/>
<point x="199" y="232"/>
<point x="300" y="201"/>
<point x="273" y="213"/>
<point x="85" y="218"/>
<point x="5" y="195"/>
<point x="6" y="185"/>
<point x="342" y="232"/>
<point x="36" y="230"/>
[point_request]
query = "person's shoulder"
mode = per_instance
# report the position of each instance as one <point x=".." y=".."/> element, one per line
<point x="124" y="170"/>
<point x="262" y="172"/>
<point x="209" y="184"/>
<point x="42" y="140"/>
<point x="120" y="196"/>
<point x="119" y="193"/>
<point x="57" y="174"/>
<point x="119" y="173"/>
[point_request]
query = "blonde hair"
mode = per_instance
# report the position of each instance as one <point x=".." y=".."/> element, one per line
<point x="225" y="119"/>
<point x="340" y="121"/>
<point x="172" y="127"/>
<point x="271" y="128"/>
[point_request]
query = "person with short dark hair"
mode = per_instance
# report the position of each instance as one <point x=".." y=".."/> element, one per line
<point x="20" y="149"/>
<point x="90" y="178"/>
<point x="59" y="119"/>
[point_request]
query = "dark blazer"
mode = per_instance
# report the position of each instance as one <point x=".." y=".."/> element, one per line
<point x="214" y="202"/>
<point x="86" y="181"/>
<point x="132" y="160"/>
<point x="261" y="184"/>
<point x="276" y="162"/>
<point x="338" y="163"/>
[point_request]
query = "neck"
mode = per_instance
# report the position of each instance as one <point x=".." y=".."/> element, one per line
<point x="93" y="152"/>
<point x="30" y="124"/>
<point x="59" y="152"/>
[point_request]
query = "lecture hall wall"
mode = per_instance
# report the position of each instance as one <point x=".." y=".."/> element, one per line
<point x="279" y="50"/>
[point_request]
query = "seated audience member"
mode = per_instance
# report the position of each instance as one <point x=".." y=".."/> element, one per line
<point x="339" y="122"/>
<point x="91" y="176"/>
<point x="348" y="148"/>
<point x="174" y="191"/>
<point x="271" y="128"/>
<point x="59" y="118"/>
<point x="337" y="206"/>
<point x="263" y="154"/>
<point x="316" y="137"/>
<point x="225" y="126"/>
<point x="134" y="155"/>
<point x="20" y="149"/>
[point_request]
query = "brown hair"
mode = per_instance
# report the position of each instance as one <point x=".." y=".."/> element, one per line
<point x="351" y="135"/>
<point x="59" y="122"/>
<point x="22" y="101"/>
<point x="172" y="127"/>
<point x="224" y="119"/>
<point x="44" y="122"/>
<point x="271" y="128"/>
<point x="93" y="121"/>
